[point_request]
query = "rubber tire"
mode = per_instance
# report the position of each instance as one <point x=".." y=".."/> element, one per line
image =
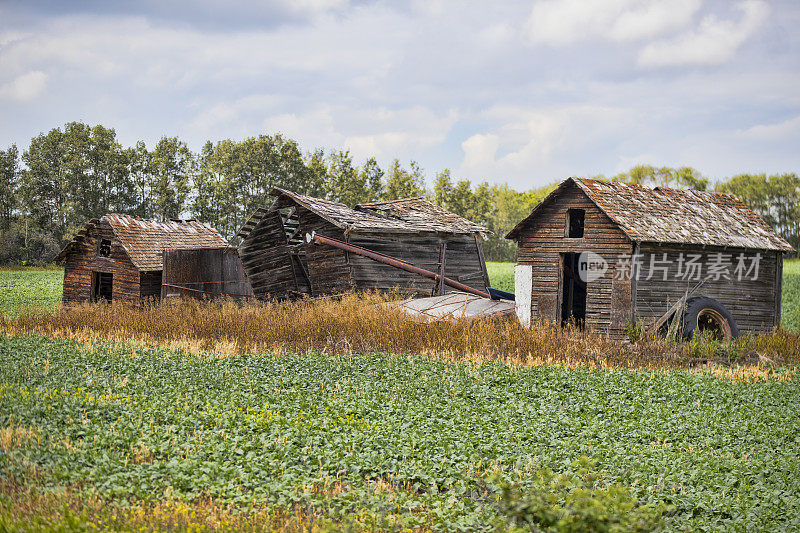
<point x="693" y="308"/>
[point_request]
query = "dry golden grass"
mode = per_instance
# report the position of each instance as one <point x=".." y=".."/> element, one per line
<point x="13" y="437"/>
<point x="359" y="324"/>
<point x="29" y="508"/>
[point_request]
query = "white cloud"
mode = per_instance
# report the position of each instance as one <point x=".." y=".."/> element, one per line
<point x="784" y="130"/>
<point x="563" y="22"/>
<point x="9" y="37"/>
<point x="160" y="56"/>
<point x="24" y="88"/>
<point x="537" y="142"/>
<point x="442" y="83"/>
<point x="715" y="41"/>
<point x="480" y="150"/>
<point x="366" y="132"/>
<point x="314" y="6"/>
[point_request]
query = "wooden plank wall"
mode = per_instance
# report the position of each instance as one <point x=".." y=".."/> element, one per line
<point x="462" y="262"/>
<point x="608" y="303"/>
<point x="328" y="267"/>
<point x="206" y="273"/>
<point x="79" y="266"/>
<point x="751" y="302"/>
<point x="265" y="259"/>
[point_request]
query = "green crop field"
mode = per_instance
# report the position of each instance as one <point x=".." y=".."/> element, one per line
<point x="29" y="287"/>
<point x="790" y="303"/>
<point x="501" y="275"/>
<point x="97" y="436"/>
<point x="401" y="441"/>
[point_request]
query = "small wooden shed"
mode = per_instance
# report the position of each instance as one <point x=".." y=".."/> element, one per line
<point x="606" y="254"/>
<point x="281" y="264"/>
<point x="120" y="258"/>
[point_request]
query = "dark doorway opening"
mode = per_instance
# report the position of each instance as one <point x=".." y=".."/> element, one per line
<point x="573" y="296"/>
<point x="150" y="285"/>
<point x="102" y="286"/>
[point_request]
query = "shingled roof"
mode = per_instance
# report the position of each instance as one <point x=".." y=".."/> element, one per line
<point x="408" y="215"/>
<point x="145" y="240"/>
<point x="419" y="212"/>
<point x="669" y="215"/>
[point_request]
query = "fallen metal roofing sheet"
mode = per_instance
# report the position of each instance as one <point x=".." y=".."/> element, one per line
<point x="453" y="305"/>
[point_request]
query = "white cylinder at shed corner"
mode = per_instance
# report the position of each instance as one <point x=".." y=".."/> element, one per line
<point x="523" y="283"/>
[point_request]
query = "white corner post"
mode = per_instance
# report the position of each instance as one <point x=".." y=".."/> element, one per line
<point x="523" y="283"/>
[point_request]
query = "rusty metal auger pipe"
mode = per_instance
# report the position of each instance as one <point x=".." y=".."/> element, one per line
<point x="391" y="261"/>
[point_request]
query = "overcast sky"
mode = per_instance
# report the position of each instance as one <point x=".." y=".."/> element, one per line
<point x="521" y="92"/>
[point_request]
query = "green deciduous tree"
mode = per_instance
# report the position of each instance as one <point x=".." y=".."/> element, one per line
<point x="9" y="182"/>
<point x="372" y="176"/>
<point x="401" y="183"/>
<point x="172" y="165"/>
<point x="683" y="177"/>
<point x="345" y="183"/>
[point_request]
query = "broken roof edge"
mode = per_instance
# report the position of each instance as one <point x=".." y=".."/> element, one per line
<point x="389" y="202"/>
<point x="424" y="205"/>
<point x="67" y="249"/>
<point x="305" y="201"/>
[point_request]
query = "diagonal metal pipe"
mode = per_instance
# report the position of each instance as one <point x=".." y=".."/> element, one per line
<point x="391" y="261"/>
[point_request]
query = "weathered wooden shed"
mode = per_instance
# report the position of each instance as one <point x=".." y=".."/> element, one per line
<point x="606" y="254"/>
<point x="205" y="274"/>
<point x="120" y="258"/>
<point x="281" y="264"/>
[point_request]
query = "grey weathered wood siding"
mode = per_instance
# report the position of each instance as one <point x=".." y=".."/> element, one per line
<point x="265" y="258"/>
<point x="541" y="243"/>
<point x="751" y="302"/>
<point x="328" y="267"/>
<point x="462" y="262"/>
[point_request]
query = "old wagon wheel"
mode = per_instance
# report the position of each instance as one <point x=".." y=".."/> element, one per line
<point x="709" y="318"/>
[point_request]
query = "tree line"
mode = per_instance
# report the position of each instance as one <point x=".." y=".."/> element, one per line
<point x="72" y="174"/>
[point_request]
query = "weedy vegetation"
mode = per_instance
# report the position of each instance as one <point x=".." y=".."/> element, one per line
<point x="363" y="324"/>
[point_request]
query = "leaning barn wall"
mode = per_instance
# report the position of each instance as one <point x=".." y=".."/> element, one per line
<point x="265" y="258"/>
<point x="328" y="267"/>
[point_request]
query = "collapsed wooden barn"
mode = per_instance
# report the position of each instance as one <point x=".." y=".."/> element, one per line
<point x="280" y="263"/>
<point x="608" y="254"/>
<point x="120" y="258"/>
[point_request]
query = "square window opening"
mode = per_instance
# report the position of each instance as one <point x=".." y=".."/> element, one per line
<point x="575" y="223"/>
<point x="104" y="248"/>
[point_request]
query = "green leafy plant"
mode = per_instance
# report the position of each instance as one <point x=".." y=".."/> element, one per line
<point x="574" y="501"/>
